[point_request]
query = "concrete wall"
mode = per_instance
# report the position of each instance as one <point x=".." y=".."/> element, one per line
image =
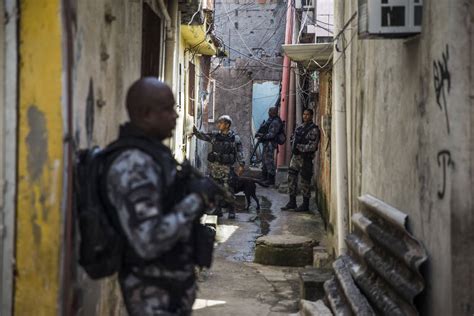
<point x="250" y="28"/>
<point x="107" y="59"/>
<point x="410" y="140"/>
<point x="323" y="157"/>
<point x="238" y="102"/>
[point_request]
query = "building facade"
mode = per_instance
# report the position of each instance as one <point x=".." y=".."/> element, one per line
<point x="77" y="60"/>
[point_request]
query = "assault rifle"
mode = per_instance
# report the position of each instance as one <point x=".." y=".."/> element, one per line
<point x="262" y="130"/>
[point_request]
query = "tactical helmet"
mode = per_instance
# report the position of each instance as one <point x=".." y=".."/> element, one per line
<point x="225" y="118"/>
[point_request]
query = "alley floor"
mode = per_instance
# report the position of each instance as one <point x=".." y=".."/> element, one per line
<point x="235" y="285"/>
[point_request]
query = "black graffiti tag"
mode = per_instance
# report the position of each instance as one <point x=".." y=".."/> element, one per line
<point x="444" y="161"/>
<point x="442" y="82"/>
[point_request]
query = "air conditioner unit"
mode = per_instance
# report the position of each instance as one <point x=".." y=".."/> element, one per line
<point x="389" y="18"/>
<point x="304" y="4"/>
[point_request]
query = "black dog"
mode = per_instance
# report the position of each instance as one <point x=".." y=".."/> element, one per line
<point x="248" y="186"/>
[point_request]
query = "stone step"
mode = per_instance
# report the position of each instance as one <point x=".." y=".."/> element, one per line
<point x="308" y="308"/>
<point x="284" y="250"/>
<point x="209" y="220"/>
<point x="312" y="283"/>
<point x="321" y="258"/>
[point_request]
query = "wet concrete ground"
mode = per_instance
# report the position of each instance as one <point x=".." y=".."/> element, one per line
<point x="237" y="286"/>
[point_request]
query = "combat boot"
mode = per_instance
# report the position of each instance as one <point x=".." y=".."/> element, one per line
<point x="291" y="204"/>
<point x="304" y="207"/>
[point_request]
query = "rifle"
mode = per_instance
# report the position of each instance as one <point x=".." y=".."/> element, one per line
<point x="262" y="130"/>
<point x="254" y="151"/>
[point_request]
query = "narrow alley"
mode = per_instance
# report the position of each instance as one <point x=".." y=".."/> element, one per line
<point x="138" y="137"/>
<point x="236" y="285"/>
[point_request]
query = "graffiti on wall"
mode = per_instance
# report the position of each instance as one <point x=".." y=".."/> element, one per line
<point x="442" y="83"/>
<point x="444" y="161"/>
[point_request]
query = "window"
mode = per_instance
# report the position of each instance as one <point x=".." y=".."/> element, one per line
<point x="151" y="43"/>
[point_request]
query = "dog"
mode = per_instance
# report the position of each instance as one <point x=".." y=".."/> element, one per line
<point x="248" y="186"/>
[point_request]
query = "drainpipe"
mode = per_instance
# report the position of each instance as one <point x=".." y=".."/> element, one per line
<point x="170" y="47"/>
<point x="298" y="105"/>
<point x="290" y="125"/>
<point x="168" y="20"/>
<point x="340" y="130"/>
<point x="285" y="81"/>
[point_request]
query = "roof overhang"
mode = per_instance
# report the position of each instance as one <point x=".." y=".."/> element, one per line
<point x="197" y="39"/>
<point x="311" y="56"/>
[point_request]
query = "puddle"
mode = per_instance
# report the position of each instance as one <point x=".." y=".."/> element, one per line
<point x="264" y="216"/>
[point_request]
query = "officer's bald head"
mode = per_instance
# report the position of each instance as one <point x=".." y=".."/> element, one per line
<point x="150" y="106"/>
<point x="147" y="94"/>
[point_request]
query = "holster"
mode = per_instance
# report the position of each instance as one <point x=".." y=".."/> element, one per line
<point x="203" y="238"/>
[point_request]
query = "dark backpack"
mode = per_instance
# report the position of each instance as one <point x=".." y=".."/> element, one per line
<point x="101" y="239"/>
<point x="280" y="137"/>
<point x="101" y="246"/>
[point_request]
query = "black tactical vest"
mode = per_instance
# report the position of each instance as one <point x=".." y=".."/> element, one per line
<point x="223" y="149"/>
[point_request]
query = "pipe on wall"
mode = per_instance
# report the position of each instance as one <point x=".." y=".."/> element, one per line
<point x="339" y="98"/>
<point x="290" y="125"/>
<point x="285" y="82"/>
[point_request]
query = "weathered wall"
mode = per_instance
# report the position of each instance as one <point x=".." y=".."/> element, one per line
<point x="107" y="60"/>
<point x="410" y="141"/>
<point x="40" y="159"/>
<point x="323" y="158"/>
<point x="251" y="28"/>
<point x="234" y="94"/>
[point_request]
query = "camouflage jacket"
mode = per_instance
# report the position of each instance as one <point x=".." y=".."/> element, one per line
<point x="274" y="126"/>
<point x="138" y="188"/>
<point x="306" y="142"/>
<point x="212" y="137"/>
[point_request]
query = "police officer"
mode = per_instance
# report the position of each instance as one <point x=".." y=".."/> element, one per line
<point x="226" y="150"/>
<point x="304" y="144"/>
<point x="267" y="135"/>
<point x="156" y="216"/>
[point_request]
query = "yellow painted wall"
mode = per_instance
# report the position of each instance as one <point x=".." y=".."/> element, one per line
<point x="40" y="163"/>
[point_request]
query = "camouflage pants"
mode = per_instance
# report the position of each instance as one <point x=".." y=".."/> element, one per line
<point x="152" y="298"/>
<point x="268" y="158"/>
<point x="296" y="167"/>
<point x="221" y="174"/>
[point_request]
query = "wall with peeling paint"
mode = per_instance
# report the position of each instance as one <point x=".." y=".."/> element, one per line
<point x="410" y="141"/>
<point x="40" y="141"/>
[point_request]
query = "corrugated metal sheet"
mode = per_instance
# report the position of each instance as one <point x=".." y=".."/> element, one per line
<point x="380" y="274"/>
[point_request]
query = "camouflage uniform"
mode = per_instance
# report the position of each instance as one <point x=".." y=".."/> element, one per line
<point x="269" y="145"/>
<point x="157" y="274"/>
<point x="302" y="158"/>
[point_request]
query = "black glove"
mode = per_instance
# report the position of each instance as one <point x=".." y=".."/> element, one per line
<point x="207" y="189"/>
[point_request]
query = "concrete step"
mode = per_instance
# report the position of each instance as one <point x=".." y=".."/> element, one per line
<point x="209" y="220"/>
<point x="321" y="258"/>
<point x="284" y="250"/>
<point x="312" y="283"/>
<point x="318" y="308"/>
